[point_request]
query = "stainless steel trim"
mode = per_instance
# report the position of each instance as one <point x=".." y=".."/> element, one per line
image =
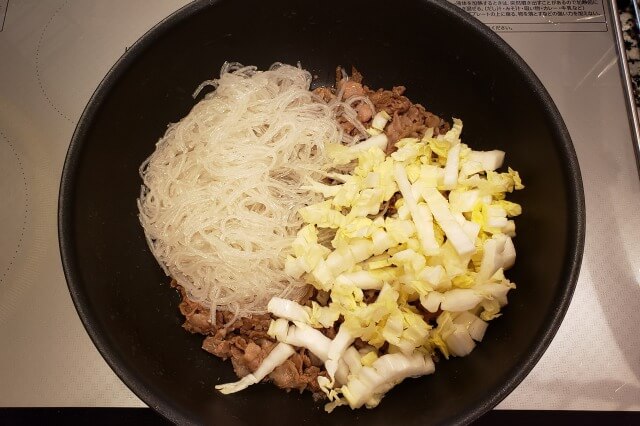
<point x="632" y="109"/>
<point x="636" y="12"/>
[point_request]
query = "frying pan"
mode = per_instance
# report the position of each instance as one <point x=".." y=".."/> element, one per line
<point x="450" y="62"/>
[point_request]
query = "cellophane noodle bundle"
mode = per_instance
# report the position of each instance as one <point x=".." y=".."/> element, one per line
<point x="222" y="189"/>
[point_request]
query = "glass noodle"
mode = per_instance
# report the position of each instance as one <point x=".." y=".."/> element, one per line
<point x="222" y="189"/>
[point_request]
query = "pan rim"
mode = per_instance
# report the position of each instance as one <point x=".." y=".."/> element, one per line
<point x="575" y="202"/>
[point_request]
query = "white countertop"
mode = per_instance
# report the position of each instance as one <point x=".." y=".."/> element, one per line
<point x="54" y="53"/>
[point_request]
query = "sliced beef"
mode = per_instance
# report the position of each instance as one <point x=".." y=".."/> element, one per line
<point x="355" y="75"/>
<point x="351" y="89"/>
<point x="350" y="86"/>
<point x="237" y="360"/>
<point x="360" y="344"/>
<point x="322" y="297"/>
<point x="407" y="119"/>
<point x="389" y="207"/>
<point x="370" y="296"/>
<point x="429" y="317"/>
<point x="326" y="93"/>
<point x="314" y="360"/>
<point x="293" y="374"/>
<point x="410" y="124"/>
<point x="286" y="375"/>
<point x="245" y="341"/>
<point x="217" y="346"/>
<point x="309" y="295"/>
<point x="392" y="101"/>
<point x="196" y="316"/>
<point x="254" y="354"/>
<point x="364" y="112"/>
<point x="329" y="332"/>
<point x="347" y="126"/>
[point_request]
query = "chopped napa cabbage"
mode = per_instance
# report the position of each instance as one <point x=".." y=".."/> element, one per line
<point x="498" y="252"/>
<point x="421" y="215"/>
<point x="453" y="135"/>
<point x="378" y="262"/>
<point x="452" y="338"/>
<point x="430" y="176"/>
<point x="517" y="182"/>
<point x="494" y="216"/>
<point x="277" y="356"/>
<point x="425" y="228"/>
<point x="451" y="261"/>
<point x="409" y="259"/>
<point x="327" y="190"/>
<point x="382" y="241"/>
<point x="288" y="309"/>
<point x="466" y="280"/>
<point x="477" y="329"/>
<point x="435" y="276"/>
<point x="495" y="184"/>
<point x="372" y="180"/>
<point x="452" y="229"/>
<point x="474" y="325"/>
<point x="510" y="229"/>
<point x="439" y="146"/>
<point x="413" y="171"/>
<point x="368" y="359"/>
<point x="459" y="341"/>
<point x="353" y="360"/>
<point x="341" y="154"/>
<point x="403" y="211"/>
<point x="367" y="202"/>
<point x="305" y="336"/>
<point x="347" y="192"/>
<point x="294" y="267"/>
<point x="380" y="120"/>
<point x="322" y="215"/>
<point x="340" y="260"/>
<point x="370" y="384"/>
<point x="495" y="291"/>
<point x="399" y="230"/>
<point x="463" y="201"/>
<point x="346" y="298"/>
<point x="369" y="161"/>
<point x="450" y="179"/>
<point x="512" y="209"/>
<point x="490" y="160"/>
<point x="408" y="150"/>
<point x="428" y="134"/>
<point x="470" y="167"/>
<point x="308" y="253"/>
<point x="378" y="141"/>
<point x="491" y="310"/>
<point x="358" y="227"/>
<point x="366" y="280"/>
<point x="460" y="299"/>
<point x="508" y="254"/>
<point x="337" y="348"/>
<point x="431" y="301"/>
<point x="278" y="329"/>
<point x="323" y="316"/>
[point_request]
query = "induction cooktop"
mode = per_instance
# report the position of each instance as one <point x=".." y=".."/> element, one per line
<point x="54" y="53"/>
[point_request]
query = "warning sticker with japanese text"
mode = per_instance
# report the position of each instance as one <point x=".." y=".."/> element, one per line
<point x="537" y="15"/>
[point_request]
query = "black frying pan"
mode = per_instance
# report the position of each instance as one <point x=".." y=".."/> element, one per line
<point x="450" y="63"/>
